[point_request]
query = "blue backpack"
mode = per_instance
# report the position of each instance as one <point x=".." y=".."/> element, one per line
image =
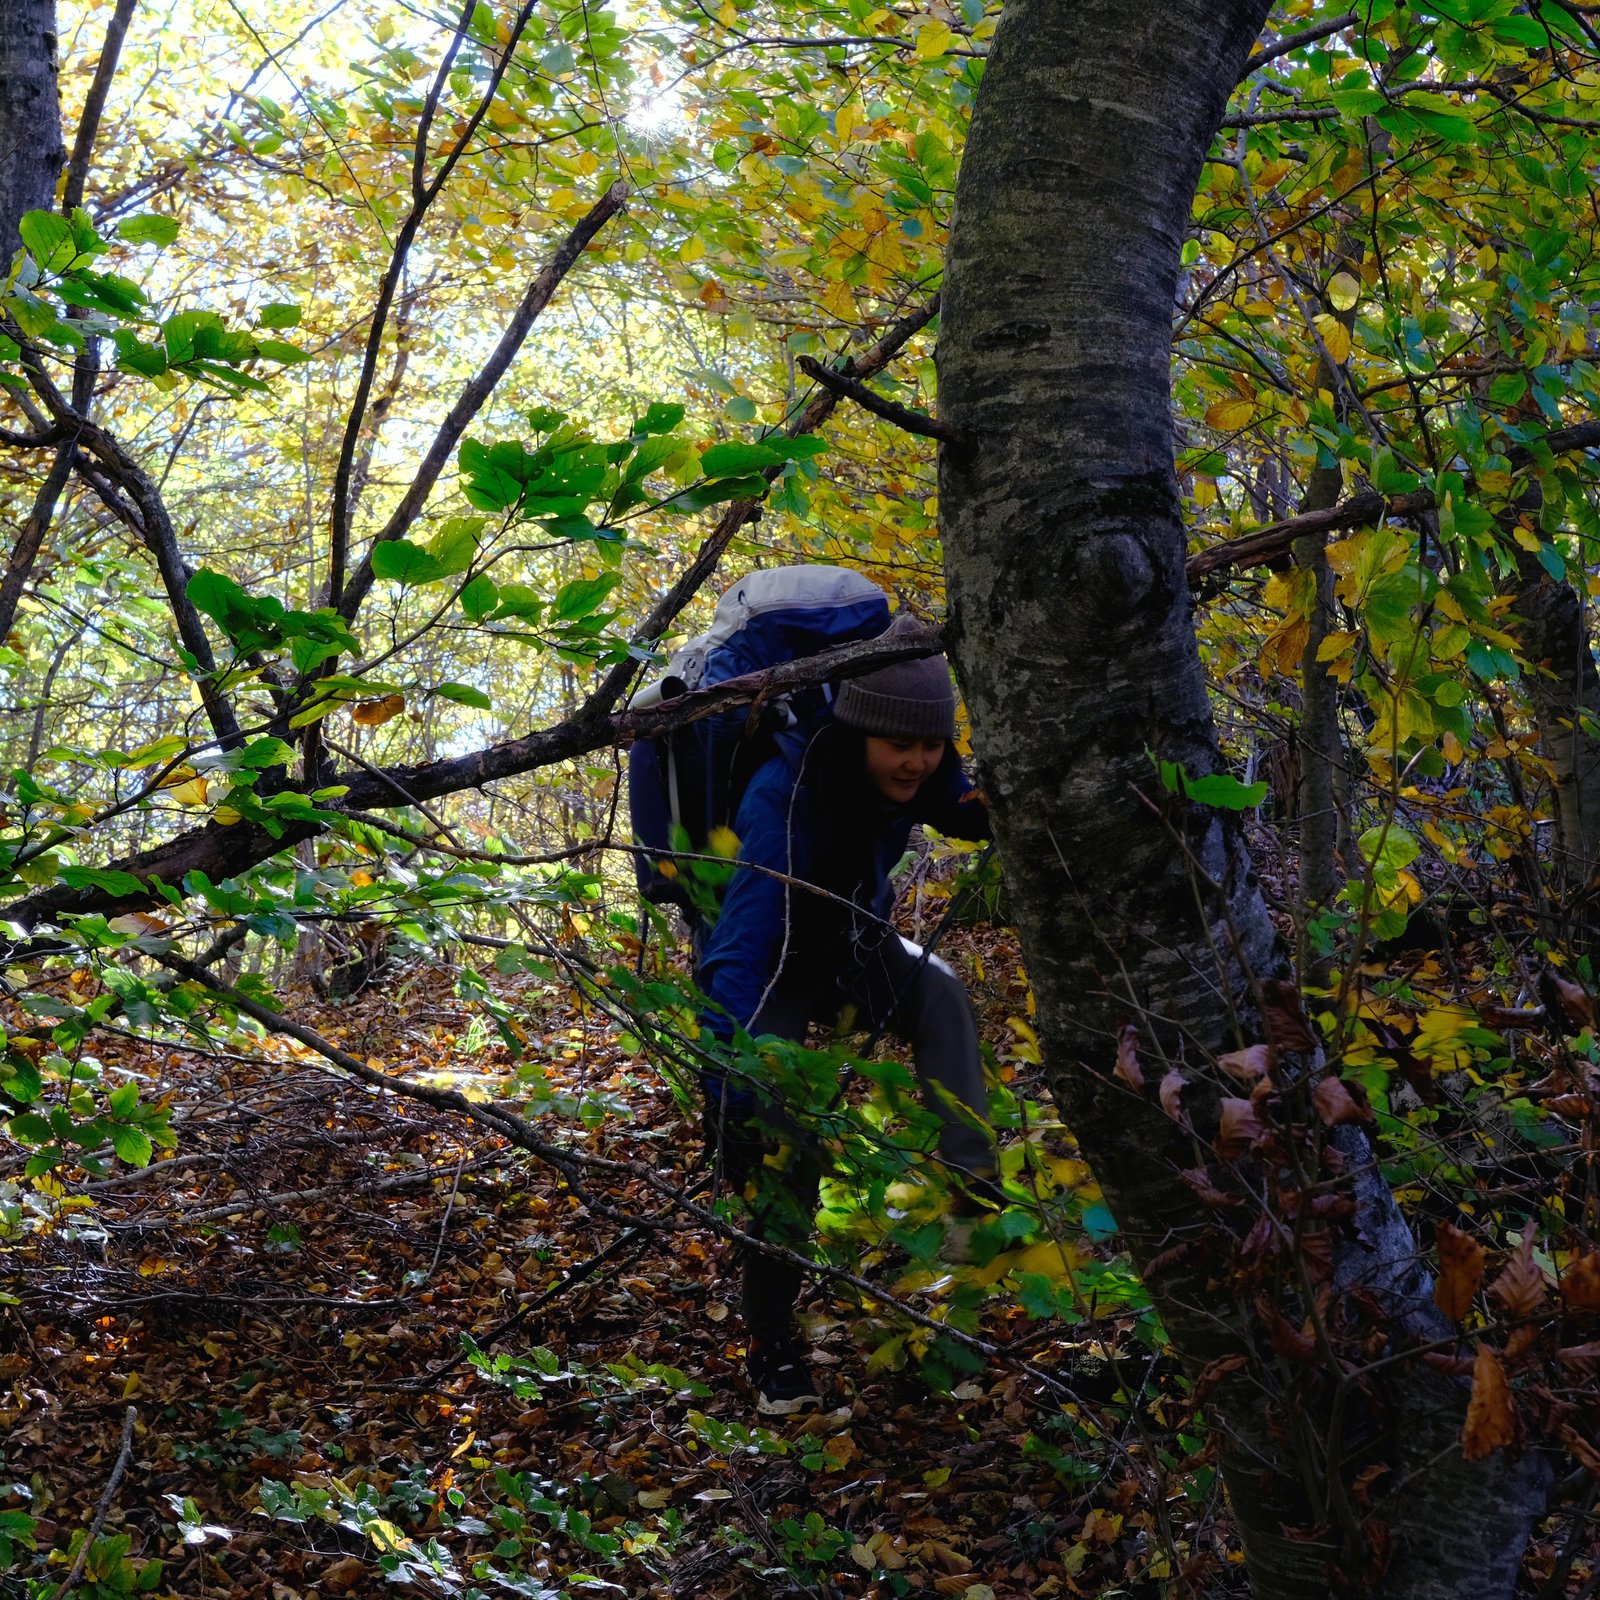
<point x="685" y="785"/>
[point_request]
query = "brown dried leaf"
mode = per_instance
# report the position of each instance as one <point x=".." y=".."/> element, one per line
<point x="374" y="713"/>
<point x="1214" y="1372"/>
<point x="1569" y="1105"/>
<point x="1491" y="1419"/>
<point x="1239" y="1128"/>
<point x="1580" y="1283"/>
<point x="1575" y="1003"/>
<point x="1172" y="1087"/>
<point x="1520" y="1287"/>
<point x="1284" y="1014"/>
<point x="1248" y="1064"/>
<point x="1460" y="1271"/>
<point x="1127" y="1067"/>
<point x="1336" y="1104"/>
<point x="1583" y="1450"/>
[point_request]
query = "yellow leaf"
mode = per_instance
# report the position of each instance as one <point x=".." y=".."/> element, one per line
<point x="933" y="39"/>
<point x="226" y="816"/>
<point x="1335" y="336"/>
<point x="1343" y="291"/>
<point x="191" y="792"/>
<point x="374" y="713"/>
<point x="692" y="248"/>
<point x="1229" y="415"/>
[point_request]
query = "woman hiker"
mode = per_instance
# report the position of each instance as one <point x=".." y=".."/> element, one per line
<point x="780" y="957"/>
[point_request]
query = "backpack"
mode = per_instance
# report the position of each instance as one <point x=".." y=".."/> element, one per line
<point x="686" y="784"/>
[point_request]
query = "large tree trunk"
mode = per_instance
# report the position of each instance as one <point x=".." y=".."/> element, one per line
<point x="1070" y="628"/>
<point x="31" y="151"/>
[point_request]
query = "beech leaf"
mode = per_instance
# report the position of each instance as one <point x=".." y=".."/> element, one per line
<point x="1240" y="1127"/>
<point x="1520" y="1287"/>
<point x="1172" y="1087"/>
<point x="1580" y="1283"/>
<point x="1253" y="1062"/>
<point x="1336" y="1105"/>
<point x="1127" y="1067"/>
<point x="1460" y="1271"/>
<point x="1491" y="1419"/>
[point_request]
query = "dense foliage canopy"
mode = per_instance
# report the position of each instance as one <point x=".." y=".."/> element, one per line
<point x="385" y="389"/>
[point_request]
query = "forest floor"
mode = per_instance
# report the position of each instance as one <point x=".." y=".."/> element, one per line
<point x="283" y="1306"/>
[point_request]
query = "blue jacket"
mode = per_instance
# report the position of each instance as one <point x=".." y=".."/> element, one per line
<point x="834" y="830"/>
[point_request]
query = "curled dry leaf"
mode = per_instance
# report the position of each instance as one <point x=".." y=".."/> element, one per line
<point x="1248" y="1064"/>
<point x="1336" y="1104"/>
<point x="1491" y="1418"/>
<point x="1583" y="1450"/>
<point x="1172" y="1087"/>
<point x="1580" y="1283"/>
<point x="1576" y="1004"/>
<point x="1520" y="1287"/>
<point x="1460" y="1271"/>
<point x="1284" y="1014"/>
<point x="1127" y="1067"/>
<point x="1239" y="1128"/>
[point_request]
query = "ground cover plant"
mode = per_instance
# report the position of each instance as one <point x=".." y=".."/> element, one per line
<point x="386" y="390"/>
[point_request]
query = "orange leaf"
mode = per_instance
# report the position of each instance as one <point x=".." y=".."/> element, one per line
<point x="1460" y="1271"/>
<point x="1127" y="1067"/>
<point x="374" y="713"/>
<point x="1248" y="1064"/>
<point x="1521" y="1286"/>
<point x="1580" y="1283"/>
<point x="1491" y="1420"/>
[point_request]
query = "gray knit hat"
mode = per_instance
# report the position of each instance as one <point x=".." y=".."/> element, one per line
<point x="910" y="700"/>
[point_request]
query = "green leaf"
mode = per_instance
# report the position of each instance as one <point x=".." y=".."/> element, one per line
<point x="480" y="597"/>
<point x="49" y="240"/>
<point x="455" y="545"/>
<point x="659" y="418"/>
<point x="279" y="314"/>
<point x="281" y="351"/>
<point x="149" y="228"/>
<point x="1224" y="790"/>
<point x="582" y="596"/>
<point x="464" y="695"/>
<point x="132" y="1145"/>
<point x="400" y="561"/>
<point x="734" y="458"/>
<point x="117" y="883"/>
<point x="1508" y="388"/>
<point x="1389" y="848"/>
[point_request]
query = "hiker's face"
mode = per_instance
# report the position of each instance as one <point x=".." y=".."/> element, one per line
<point x="899" y="767"/>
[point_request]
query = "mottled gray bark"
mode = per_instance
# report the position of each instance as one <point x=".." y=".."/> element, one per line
<point x="1563" y="690"/>
<point x="1070" y="629"/>
<point x="1324" y="826"/>
<point x="31" y="151"/>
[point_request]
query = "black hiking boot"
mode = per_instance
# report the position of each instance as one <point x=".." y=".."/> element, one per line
<point x="781" y="1379"/>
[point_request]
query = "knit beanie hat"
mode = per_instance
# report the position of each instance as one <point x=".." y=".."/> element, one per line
<point x="910" y="700"/>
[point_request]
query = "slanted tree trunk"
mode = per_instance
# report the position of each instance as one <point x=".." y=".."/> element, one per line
<point x="1070" y="628"/>
<point x="31" y="151"/>
<point x="1563" y="690"/>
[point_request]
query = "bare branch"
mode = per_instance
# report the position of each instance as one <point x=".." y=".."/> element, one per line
<point x="902" y="417"/>
<point x="1273" y="541"/>
<point x="220" y="851"/>
<point x="423" y="196"/>
<point x="94" y="105"/>
<point x="482" y="386"/>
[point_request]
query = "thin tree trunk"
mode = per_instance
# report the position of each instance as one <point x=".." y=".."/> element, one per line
<point x="31" y="151"/>
<point x="1069" y="623"/>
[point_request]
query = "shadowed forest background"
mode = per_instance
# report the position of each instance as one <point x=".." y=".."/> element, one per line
<point x="385" y="391"/>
